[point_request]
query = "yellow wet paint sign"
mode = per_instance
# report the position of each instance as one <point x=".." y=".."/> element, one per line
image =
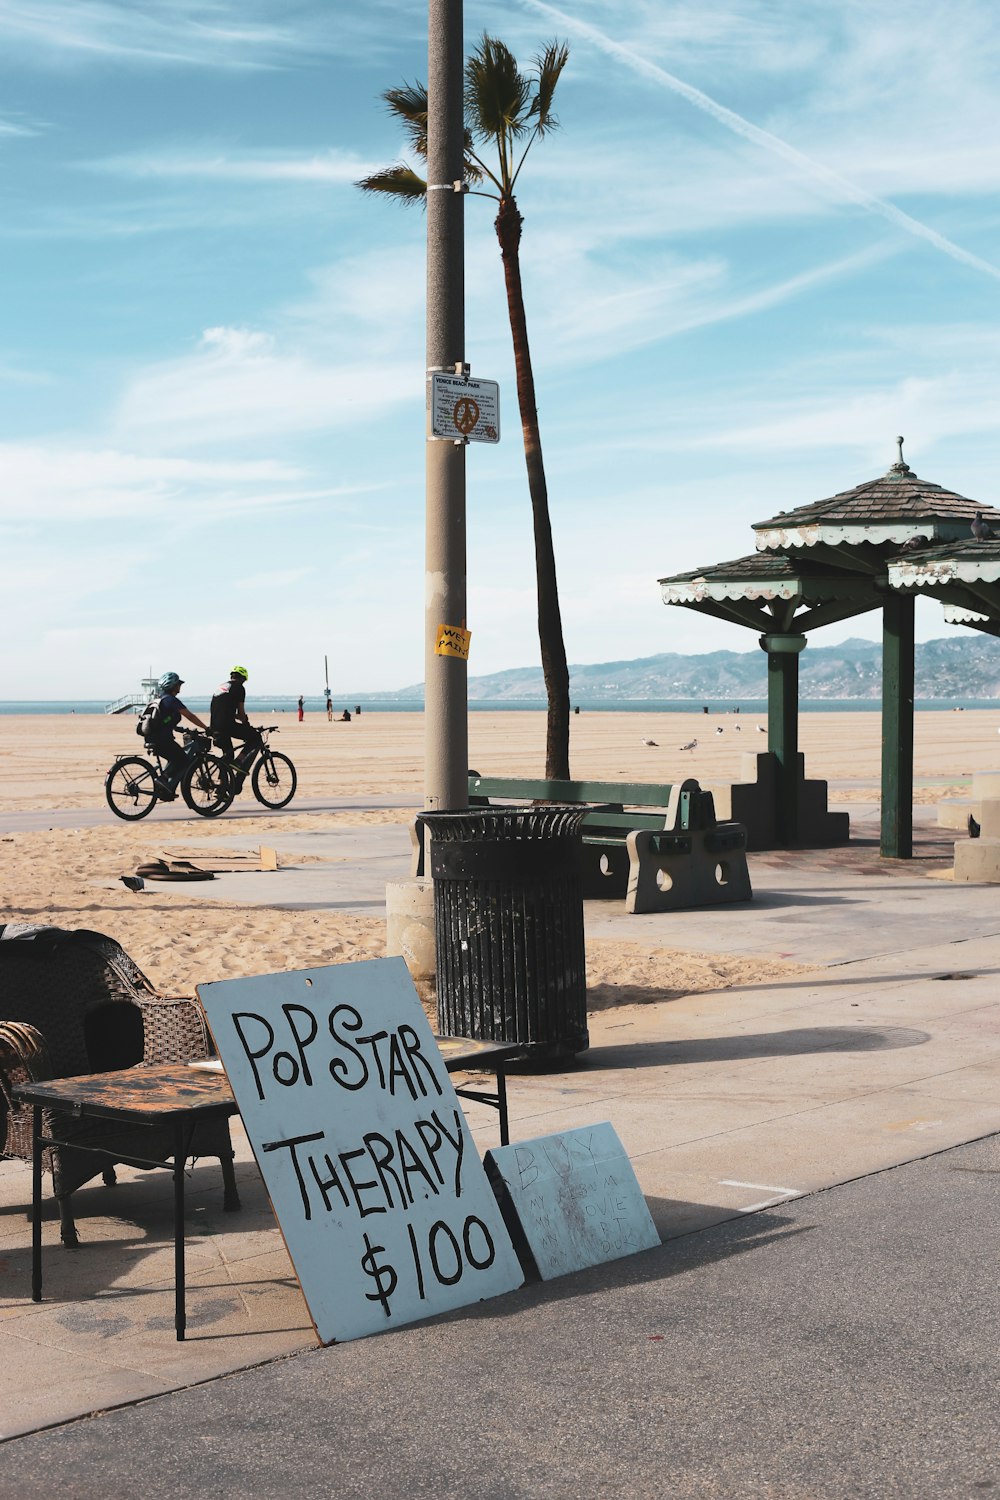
<point x="452" y="640"/>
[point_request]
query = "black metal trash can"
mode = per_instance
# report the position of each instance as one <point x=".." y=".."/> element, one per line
<point x="508" y="920"/>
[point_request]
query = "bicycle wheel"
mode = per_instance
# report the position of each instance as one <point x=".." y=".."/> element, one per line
<point x="129" y="787"/>
<point x="207" y="786"/>
<point x="274" y="779"/>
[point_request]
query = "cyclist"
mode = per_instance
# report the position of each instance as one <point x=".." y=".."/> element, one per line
<point x="229" y="717"/>
<point x="160" y="733"/>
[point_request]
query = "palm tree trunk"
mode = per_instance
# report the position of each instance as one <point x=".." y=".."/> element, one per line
<point x="550" y="635"/>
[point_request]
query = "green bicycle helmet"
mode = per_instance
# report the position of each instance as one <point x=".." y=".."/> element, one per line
<point x="170" y="682"/>
<point x="239" y="672"/>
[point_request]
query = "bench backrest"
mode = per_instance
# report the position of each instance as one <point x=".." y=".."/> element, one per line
<point x="612" y="793"/>
<point x="684" y="804"/>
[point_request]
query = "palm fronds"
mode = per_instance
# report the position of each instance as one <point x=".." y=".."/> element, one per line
<point x="549" y="64"/>
<point x="399" y="182"/>
<point x="408" y="104"/>
<point x="497" y="93"/>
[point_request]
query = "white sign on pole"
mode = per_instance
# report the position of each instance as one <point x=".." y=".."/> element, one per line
<point x="576" y="1198"/>
<point x="465" y="408"/>
<point x="362" y="1144"/>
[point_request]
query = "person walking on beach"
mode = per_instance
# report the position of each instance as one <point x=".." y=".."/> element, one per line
<point x="228" y="716"/>
<point x="302" y="711"/>
<point x="329" y="710"/>
<point x="160" y="733"/>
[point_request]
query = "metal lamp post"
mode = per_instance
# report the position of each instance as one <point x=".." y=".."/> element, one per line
<point x="445" y="676"/>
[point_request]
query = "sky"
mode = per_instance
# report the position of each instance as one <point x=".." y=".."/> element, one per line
<point x="763" y="243"/>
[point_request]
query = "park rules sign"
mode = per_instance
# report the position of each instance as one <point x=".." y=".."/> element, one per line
<point x="365" y="1152"/>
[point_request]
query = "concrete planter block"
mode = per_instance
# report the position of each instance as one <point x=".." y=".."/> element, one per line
<point x="409" y="925"/>
<point x="978" y="861"/>
<point x="953" y="812"/>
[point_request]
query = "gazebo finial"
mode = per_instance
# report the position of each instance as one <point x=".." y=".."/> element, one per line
<point x="899" y="467"/>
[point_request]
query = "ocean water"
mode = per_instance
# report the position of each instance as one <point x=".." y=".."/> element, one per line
<point x="259" y="708"/>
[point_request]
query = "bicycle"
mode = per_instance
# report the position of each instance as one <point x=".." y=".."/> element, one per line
<point x="272" y="775"/>
<point x="206" y="784"/>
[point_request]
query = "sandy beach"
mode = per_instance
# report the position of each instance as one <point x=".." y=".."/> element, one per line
<point x="61" y="875"/>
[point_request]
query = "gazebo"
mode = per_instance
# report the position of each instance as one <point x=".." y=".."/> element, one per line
<point x="872" y="547"/>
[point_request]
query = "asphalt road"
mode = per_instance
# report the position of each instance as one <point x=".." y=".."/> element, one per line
<point x="844" y="1345"/>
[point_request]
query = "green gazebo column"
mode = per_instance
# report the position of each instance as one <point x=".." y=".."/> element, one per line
<point x="897" y="727"/>
<point x="783" y="726"/>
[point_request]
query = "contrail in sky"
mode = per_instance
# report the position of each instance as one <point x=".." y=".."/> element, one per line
<point x="764" y="138"/>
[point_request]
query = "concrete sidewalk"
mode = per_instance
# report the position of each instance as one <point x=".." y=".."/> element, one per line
<point x="728" y="1103"/>
<point x="838" y="1347"/>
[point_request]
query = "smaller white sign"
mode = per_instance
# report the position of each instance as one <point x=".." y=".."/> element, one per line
<point x="575" y="1196"/>
<point x="465" y="408"/>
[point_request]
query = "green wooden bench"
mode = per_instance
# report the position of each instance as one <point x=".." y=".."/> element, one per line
<point x="659" y="846"/>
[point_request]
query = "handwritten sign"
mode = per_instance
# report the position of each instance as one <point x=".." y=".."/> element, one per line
<point x="372" y="1172"/>
<point x="452" y="640"/>
<point x="465" y="408"/>
<point x="575" y="1197"/>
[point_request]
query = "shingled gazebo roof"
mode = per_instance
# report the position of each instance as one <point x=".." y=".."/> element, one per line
<point x="895" y="508"/>
<point x="766" y="589"/>
<point x="836" y="558"/>
<point x="963" y="576"/>
<point x="742" y="578"/>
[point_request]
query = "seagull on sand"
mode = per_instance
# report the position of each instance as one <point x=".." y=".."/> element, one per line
<point x="720" y="730"/>
<point x="980" y="528"/>
<point x="690" y="745"/>
<point x="649" y="742"/>
<point x="760" y="729"/>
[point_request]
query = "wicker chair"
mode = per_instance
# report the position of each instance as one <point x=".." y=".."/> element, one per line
<point x="73" y="1002"/>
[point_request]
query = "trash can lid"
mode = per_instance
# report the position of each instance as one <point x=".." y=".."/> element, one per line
<point x="551" y="820"/>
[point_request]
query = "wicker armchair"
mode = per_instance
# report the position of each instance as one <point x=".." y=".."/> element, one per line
<point x="73" y="1002"/>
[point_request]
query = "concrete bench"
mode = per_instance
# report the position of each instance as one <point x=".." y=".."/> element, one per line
<point x="669" y="855"/>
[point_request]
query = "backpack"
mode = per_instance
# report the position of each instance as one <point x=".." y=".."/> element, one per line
<point x="222" y="710"/>
<point x="149" y="717"/>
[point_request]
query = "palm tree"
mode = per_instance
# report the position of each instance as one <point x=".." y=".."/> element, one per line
<point x="507" y="111"/>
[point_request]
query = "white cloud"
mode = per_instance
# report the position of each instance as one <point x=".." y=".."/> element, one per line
<point x="9" y="127"/>
<point x="82" y="485"/>
<point x="928" y="410"/>
<point x="226" y="34"/>
<point x="646" y="304"/>
<point x="823" y="176"/>
<point x="329" y="166"/>
<point x="281" y="578"/>
<point x="15" y="374"/>
<point x="161" y="31"/>
<point x="239" y="385"/>
<point x="237" y="343"/>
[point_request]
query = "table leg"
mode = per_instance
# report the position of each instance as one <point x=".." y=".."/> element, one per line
<point x="180" y="1312"/>
<point x="36" y="1203"/>
<point x="502" y="1104"/>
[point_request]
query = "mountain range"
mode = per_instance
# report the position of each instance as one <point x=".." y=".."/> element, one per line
<point x="966" y="666"/>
